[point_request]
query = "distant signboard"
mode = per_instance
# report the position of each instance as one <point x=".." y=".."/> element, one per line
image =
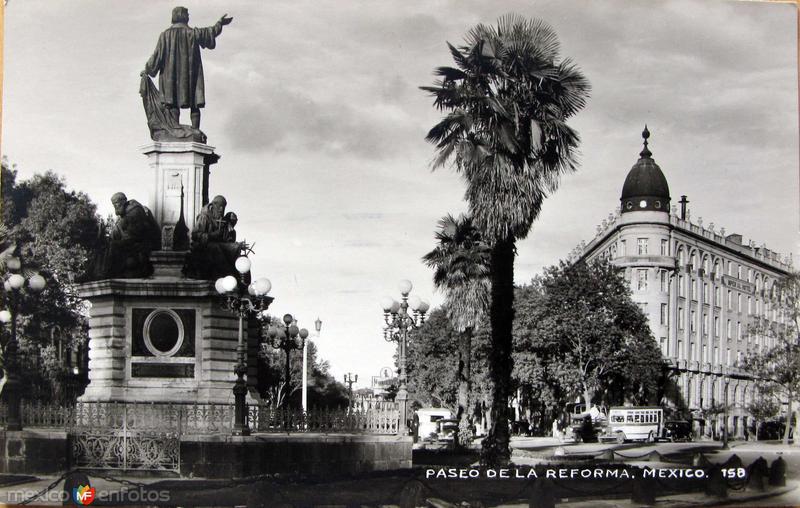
<point x="738" y="284"/>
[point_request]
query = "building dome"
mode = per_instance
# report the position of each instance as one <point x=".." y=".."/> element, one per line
<point x="645" y="187"/>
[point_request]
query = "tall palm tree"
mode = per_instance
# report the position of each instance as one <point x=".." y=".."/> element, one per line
<point x="506" y="102"/>
<point x="461" y="270"/>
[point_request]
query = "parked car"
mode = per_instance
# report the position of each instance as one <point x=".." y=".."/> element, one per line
<point x="428" y="421"/>
<point x="771" y="430"/>
<point x="446" y="429"/>
<point x="677" y="430"/>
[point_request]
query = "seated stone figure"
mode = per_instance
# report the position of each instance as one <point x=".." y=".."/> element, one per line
<point x="126" y="253"/>
<point x="214" y="248"/>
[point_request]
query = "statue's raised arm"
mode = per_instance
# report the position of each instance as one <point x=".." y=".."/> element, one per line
<point x="179" y="67"/>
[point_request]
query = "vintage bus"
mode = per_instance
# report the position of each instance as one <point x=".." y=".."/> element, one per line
<point x="634" y="424"/>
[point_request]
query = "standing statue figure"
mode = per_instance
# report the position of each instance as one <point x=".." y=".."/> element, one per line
<point x="177" y="62"/>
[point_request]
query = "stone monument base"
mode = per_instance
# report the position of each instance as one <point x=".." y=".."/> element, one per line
<point x="163" y="339"/>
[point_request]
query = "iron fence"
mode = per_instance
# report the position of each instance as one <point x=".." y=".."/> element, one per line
<point x="199" y="419"/>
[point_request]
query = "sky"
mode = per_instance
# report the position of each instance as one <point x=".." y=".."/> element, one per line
<point x="315" y="109"/>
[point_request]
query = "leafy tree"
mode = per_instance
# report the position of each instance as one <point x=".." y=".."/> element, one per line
<point x="711" y="413"/>
<point x="506" y="101"/>
<point x="536" y="358"/>
<point x="578" y="333"/>
<point x="461" y="269"/>
<point x="777" y="365"/>
<point x="433" y="368"/>
<point x="323" y="389"/>
<point x="763" y="408"/>
<point x="54" y="231"/>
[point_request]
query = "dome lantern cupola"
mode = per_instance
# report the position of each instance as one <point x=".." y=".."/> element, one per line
<point x="645" y="187"/>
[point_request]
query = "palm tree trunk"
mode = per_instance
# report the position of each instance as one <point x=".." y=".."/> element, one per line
<point x="495" y="451"/>
<point x="464" y="435"/>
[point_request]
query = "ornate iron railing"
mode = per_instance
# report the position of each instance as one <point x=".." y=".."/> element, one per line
<point x="197" y="419"/>
<point x="327" y="421"/>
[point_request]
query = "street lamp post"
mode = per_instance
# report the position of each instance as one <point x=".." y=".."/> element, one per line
<point x="725" y="419"/>
<point x="399" y="327"/>
<point x="242" y="300"/>
<point x="286" y="336"/>
<point x="349" y="378"/>
<point x="317" y="327"/>
<point x="13" y="286"/>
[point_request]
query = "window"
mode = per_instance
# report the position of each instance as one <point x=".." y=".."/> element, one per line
<point x="641" y="280"/>
<point x="705" y="354"/>
<point x="642" y="307"/>
<point x="664" y="247"/>
<point x="705" y="292"/>
<point x="739" y="272"/>
<point x="680" y="349"/>
<point x="716" y="356"/>
<point x="641" y="245"/>
<point x="622" y="250"/>
<point x="716" y="296"/>
<point x="749" y="304"/>
<point x="705" y="324"/>
<point x="728" y="357"/>
<point x="663" y="313"/>
<point x="739" y="357"/>
<point x="730" y="300"/>
<point x="716" y="326"/>
<point x="680" y="318"/>
<point x="681" y="289"/>
<point x="729" y="329"/>
<point x="664" y="275"/>
<point x="693" y="322"/>
<point x="739" y="331"/>
<point x="664" y="346"/>
<point x="730" y="268"/>
<point x="739" y="302"/>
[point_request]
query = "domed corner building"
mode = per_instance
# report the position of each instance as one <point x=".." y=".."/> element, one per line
<point x="699" y="287"/>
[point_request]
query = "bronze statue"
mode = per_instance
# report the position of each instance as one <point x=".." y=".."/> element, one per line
<point x="127" y="251"/>
<point x="214" y="247"/>
<point x="177" y="62"/>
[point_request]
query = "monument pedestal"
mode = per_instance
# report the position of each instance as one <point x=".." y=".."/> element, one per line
<point x="163" y="339"/>
<point x="178" y="166"/>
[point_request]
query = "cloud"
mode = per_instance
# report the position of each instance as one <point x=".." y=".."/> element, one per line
<point x="283" y="120"/>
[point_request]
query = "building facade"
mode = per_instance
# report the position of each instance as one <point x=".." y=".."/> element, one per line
<point x="699" y="286"/>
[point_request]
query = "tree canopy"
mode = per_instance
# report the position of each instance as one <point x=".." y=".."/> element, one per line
<point x="775" y="358"/>
<point x="54" y="231"/>
<point x="578" y="333"/>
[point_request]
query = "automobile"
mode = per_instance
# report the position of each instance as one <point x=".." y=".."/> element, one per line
<point x="446" y="429"/>
<point x="677" y="430"/>
<point x="772" y="430"/>
<point x="428" y="418"/>
<point x="585" y="424"/>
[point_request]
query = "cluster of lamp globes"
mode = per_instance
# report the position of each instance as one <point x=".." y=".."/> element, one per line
<point x="15" y="282"/>
<point x="289" y="326"/>
<point x="228" y="284"/>
<point x="392" y="306"/>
